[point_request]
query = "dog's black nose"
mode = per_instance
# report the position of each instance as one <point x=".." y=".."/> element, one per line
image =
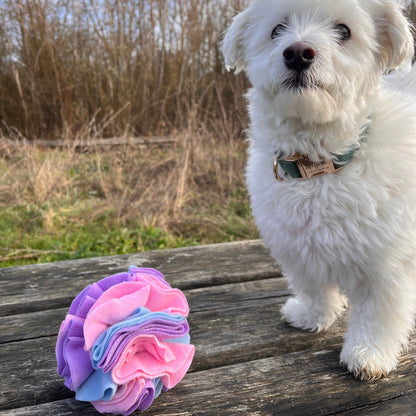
<point x="299" y="56"/>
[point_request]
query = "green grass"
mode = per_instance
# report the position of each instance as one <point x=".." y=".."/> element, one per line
<point x="64" y="204"/>
<point x="25" y="240"/>
<point x="80" y="228"/>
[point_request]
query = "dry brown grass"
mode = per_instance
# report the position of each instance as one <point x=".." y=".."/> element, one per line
<point x="192" y="190"/>
<point x="64" y="63"/>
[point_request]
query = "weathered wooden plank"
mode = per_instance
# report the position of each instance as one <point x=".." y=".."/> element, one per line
<point x="247" y="361"/>
<point x="250" y="333"/>
<point x="304" y="383"/>
<point x="270" y="387"/>
<point x="49" y="286"/>
<point x="46" y="323"/>
<point x="221" y="337"/>
<point x="31" y="325"/>
<point x="403" y="405"/>
<point x="65" y="407"/>
<point x="28" y="373"/>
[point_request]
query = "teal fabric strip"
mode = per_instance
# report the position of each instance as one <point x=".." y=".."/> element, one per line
<point x="290" y="168"/>
<point x="341" y="160"/>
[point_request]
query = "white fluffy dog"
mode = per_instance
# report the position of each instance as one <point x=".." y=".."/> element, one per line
<point x="332" y="164"/>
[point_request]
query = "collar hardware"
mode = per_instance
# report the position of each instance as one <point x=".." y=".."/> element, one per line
<point x="301" y="167"/>
<point x="276" y="169"/>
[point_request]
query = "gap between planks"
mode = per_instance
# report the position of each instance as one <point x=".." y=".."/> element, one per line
<point x="45" y="323"/>
<point x="223" y="338"/>
<point x="34" y="288"/>
<point x="269" y="386"/>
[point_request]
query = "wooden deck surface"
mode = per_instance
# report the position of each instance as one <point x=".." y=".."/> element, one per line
<point x="247" y="361"/>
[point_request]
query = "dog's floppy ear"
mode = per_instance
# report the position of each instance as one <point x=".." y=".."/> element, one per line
<point x="232" y="46"/>
<point x="394" y="35"/>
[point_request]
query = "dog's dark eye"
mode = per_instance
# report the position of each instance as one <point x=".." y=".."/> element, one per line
<point x="343" y="31"/>
<point x="277" y="31"/>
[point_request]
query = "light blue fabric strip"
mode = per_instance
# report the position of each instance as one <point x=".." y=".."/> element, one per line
<point x="98" y="386"/>
<point x="140" y="316"/>
<point x="186" y="339"/>
<point x="158" y="386"/>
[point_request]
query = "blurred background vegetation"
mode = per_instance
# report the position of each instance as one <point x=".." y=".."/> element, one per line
<point x="74" y="71"/>
<point x="153" y="63"/>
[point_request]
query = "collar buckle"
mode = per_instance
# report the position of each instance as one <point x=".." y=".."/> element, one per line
<point x="307" y="169"/>
<point x="276" y="169"/>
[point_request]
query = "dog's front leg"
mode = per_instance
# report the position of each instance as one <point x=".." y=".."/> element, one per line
<point x="381" y="318"/>
<point x="313" y="308"/>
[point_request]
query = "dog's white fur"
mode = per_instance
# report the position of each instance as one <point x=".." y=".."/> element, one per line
<point x="347" y="237"/>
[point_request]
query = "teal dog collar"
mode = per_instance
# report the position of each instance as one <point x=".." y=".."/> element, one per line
<point x="300" y="166"/>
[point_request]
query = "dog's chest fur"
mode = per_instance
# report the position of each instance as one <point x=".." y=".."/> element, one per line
<point x="306" y="222"/>
<point x="316" y="69"/>
<point x="341" y="219"/>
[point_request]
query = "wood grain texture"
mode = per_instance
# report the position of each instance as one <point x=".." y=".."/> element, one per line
<point x="403" y="404"/>
<point x="54" y="285"/>
<point x="46" y="323"/>
<point x="222" y="337"/>
<point x="247" y="361"/>
<point x="306" y="383"/>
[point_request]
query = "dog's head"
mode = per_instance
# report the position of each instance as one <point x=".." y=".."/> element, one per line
<point x="318" y="58"/>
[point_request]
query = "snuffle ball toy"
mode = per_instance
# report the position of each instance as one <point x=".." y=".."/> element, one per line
<point x="124" y="341"/>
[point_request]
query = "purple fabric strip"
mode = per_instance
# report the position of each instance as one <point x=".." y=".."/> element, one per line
<point x="74" y="363"/>
<point x="86" y="299"/>
<point x="133" y="270"/>
<point x="145" y="399"/>
<point x="135" y="395"/>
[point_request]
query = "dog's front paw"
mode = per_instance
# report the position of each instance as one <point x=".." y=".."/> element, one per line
<point x="302" y="315"/>
<point x="366" y="362"/>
